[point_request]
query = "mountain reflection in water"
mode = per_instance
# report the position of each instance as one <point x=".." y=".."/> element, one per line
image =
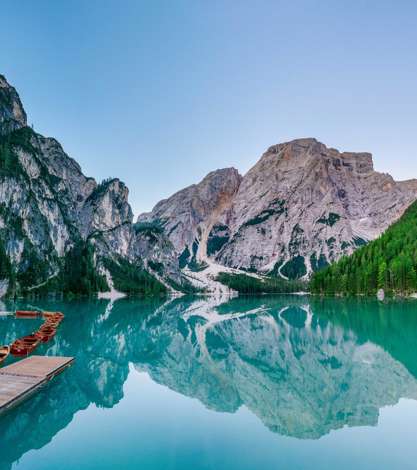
<point x="303" y="366"/>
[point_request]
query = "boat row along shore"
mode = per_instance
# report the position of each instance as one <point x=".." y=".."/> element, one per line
<point x="27" y="344"/>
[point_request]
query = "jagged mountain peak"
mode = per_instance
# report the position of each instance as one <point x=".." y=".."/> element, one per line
<point x="187" y="215"/>
<point x="303" y="142"/>
<point x="300" y="152"/>
<point x="300" y="207"/>
<point x="50" y="212"/>
<point x="12" y="113"/>
<point x="303" y="205"/>
<point x="203" y="190"/>
<point x="214" y="175"/>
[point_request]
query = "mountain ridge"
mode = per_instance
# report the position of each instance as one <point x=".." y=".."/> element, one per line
<point x="50" y="212"/>
<point x="301" y="207"/>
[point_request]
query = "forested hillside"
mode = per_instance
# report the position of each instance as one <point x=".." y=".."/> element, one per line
<point x="60" y="231"/>
<point x="264" y="285"/>
<point x="389" y="262"/>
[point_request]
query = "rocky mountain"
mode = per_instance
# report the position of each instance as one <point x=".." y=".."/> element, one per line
<point x="51" y="213"/>
<point x="12" y="114"/>
<point x="300" y="208"/>
<point x="188" y="215"/>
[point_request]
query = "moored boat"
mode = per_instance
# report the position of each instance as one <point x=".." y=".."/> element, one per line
<point x="55" y="315"/>
<point x="47" y="326"/>
<point x="18" y="348"/>
<point x="27" y="313"/>
<point x="4" y="352"/>
<point x="45" y="333"/>
<point x="29" y="339"/>
<point x="52" y="322"/>
<point x="24" y="346"/>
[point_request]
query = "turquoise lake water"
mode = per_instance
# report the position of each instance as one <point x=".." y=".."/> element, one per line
<point x="250" y="383"/>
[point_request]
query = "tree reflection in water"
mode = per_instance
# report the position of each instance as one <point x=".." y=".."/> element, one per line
<point x="304" y="367"/>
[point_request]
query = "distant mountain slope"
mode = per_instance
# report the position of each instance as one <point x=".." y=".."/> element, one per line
<point x="388" y="263"/>
<point x="300" y="208"/>
<point x="187" y="217"/>
<point x="59" y="229"/>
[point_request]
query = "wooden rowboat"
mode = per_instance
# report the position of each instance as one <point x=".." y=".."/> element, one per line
<point x="29" y="339"/>
<point x="18" y="348"/>
<point x="27" y="313"/>
<point x="45" y="336"/>
<point x="45" y="333"/>
<point x="52" y="323"/>
<point x="56" y="315"/>
<point x="24" y="346"/>
<point x="47" y="326"/>
<point x="4" y="352"/>
<point x="47" y="330"/>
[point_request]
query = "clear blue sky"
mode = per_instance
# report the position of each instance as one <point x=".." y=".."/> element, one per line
<point x="159" y="93"/>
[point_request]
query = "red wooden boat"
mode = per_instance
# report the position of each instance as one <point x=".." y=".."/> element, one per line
<point x="45" y="334"/>
<point x="47" y="328"/>
<point x="27" y="314"/>
<point x="24" y="346"/>
<point x="52" y="323"/>
<point x="4" y="352"/>
<point x="55" y="315"/>
<point x="18" y="348"/>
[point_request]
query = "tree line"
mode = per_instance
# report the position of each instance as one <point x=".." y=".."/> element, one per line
<point x="389" y="263"/>
<point x="245" y="284"/>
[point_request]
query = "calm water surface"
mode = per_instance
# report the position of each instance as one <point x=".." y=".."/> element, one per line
<point x="250" y="383"/>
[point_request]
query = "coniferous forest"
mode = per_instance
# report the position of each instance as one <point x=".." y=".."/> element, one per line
<point x="389" y="263"/>
<point x="263" y="285"/>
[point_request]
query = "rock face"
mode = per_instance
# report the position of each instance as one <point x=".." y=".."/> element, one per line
<point x="188" y="216"/>
<point x="302" y="206"/>
<point x="12" y="114"/>
<point x="299" y="208"/>
<point x="47" y="206"/>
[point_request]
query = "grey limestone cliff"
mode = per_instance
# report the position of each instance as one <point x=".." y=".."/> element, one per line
<point x="48" y="206"/>
<point x="302" y="206"/>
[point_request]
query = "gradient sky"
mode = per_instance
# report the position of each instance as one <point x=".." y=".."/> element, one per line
<point x="159" y="93"/>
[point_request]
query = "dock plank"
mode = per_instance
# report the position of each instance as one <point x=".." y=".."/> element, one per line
<point x="13" y="388"/>
<point x="38" y="366"/>
<point x="20" y="380"/>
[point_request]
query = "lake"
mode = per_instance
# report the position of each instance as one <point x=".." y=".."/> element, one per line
<point x="248" y="383"/>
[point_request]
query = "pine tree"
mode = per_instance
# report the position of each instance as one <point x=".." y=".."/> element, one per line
<point x="390" y="263"/>
<point x="382" y="275"/>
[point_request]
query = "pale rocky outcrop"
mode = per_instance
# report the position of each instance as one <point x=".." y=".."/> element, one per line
<point x="12" y="114"/>
<point x="302" y="206"/>
<point x="47" y="205"/>
<point x="188" y="215"/>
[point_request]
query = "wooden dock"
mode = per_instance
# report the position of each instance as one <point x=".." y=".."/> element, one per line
<point x="23" y="378"/>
